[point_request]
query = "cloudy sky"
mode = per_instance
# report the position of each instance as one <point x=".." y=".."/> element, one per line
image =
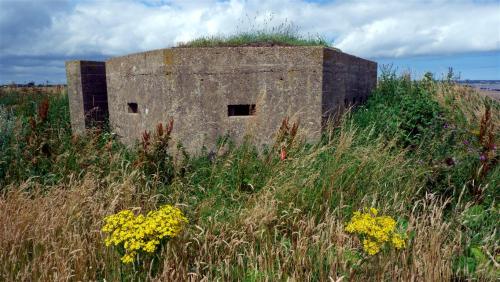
<point x="37" y="36"/>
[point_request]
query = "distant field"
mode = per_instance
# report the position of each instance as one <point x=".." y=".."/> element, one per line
<point x="493" y="94"/>
<point x="54" y="89"/>
<point x="489" y="88"/>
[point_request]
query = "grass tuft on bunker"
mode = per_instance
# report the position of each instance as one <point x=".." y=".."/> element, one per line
<point x="281" y="35"/>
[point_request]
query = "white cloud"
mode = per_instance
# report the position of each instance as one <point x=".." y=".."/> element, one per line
<point x="434" y="28"/>
<point x="365" y="28"/>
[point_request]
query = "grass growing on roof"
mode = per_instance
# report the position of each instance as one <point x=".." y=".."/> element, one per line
<point x="282" y="35"/>
<point x="255" y="39"/>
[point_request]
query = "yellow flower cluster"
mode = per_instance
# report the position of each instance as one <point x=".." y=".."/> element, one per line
<point x="375" y="230"/>
<point x="142" y="233"/>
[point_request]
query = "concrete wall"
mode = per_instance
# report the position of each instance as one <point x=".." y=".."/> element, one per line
<point x="347" y="81"/>
<point x="75" y="96"/>
<point x="194" y="86"/>
<point x="87" y="93"/>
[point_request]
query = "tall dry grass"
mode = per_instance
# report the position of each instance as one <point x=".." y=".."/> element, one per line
<point x="53" y="233"/>
<point x="55" y="237"/>
<point x="280" y="233"/>
<point x="466" y="104"/>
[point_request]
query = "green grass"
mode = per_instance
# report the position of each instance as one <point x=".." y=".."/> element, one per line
<point x="413" y="151"/>
<point x="274" y="37"/>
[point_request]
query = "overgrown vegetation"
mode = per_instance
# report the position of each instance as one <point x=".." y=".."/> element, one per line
<point x="281" y="35"/>
<point x="422" y="152"/>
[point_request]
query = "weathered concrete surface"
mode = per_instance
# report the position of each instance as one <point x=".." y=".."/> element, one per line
<point x="87" y="93"/>
<point x="347" y="81"/>
<point x="195" y="86"/>
<point x="75" y="96"/>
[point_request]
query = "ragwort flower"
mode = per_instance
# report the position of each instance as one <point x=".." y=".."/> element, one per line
<point x="375" y="231"/>
<point x="141" y="233"/>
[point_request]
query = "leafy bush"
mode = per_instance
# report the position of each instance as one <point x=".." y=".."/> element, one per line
<point x="456" y="149"/>
<point x="402" y="109"/>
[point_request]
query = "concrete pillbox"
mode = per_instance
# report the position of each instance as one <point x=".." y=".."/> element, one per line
<point x="210" y="92"/>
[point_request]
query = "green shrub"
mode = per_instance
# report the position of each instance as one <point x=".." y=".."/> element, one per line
<point x="401" y="109"/>
<point x="41" y="145"/>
